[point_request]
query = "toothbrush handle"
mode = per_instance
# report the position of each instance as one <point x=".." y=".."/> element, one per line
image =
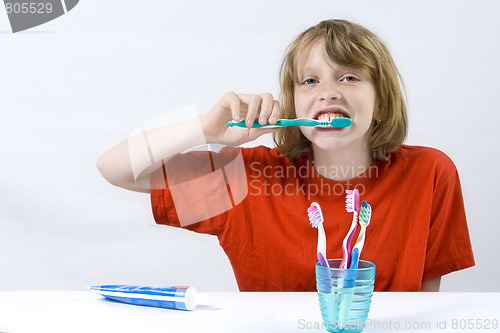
<point x="322" y="260"/>
<point x="358" y="247"/>
<point x="279" y="123"/>
<point x="321" y="248"/>
<point x="346" y="244"/>
<point x="360" y="242"/>
<point x="354" y="259"/>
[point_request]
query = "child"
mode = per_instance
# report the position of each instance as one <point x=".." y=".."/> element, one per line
<point x="418" y="230"/>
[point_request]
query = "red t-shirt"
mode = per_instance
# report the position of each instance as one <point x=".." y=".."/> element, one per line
<point x="418" y="229"/>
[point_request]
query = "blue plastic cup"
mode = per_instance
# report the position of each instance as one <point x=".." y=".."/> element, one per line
<point x="345" y="295"/>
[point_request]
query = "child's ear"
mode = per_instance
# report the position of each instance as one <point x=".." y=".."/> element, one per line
<point x="377" y="115"/>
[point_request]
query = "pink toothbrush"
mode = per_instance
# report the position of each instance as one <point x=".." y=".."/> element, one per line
<point x="316" y="219"/>
<point x="352" y="206"/>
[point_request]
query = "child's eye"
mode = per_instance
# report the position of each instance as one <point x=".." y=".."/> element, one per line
<point x="349" y="79"/>
<point x="309" y="81"/>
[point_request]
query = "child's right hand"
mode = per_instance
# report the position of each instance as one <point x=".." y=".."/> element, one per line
<point x="238" y="107"/>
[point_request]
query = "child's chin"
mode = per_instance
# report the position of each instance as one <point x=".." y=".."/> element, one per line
<point x="330" y="144"/>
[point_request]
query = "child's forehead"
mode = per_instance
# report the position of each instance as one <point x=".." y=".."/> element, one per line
<point x="312" y="47"/>
<point x="308" y="55"/>
<point x="316" y="53"/>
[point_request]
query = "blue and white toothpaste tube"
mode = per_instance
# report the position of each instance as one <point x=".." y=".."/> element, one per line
<point x="176" y="297"/>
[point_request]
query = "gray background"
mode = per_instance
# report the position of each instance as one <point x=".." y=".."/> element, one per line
<point x="72" y="88"/>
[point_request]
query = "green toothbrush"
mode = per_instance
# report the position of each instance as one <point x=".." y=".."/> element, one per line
<point x="365" y="215"/>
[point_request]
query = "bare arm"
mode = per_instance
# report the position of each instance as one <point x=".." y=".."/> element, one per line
<point x="116" y="168"/>
<point x="431" y="285"/>
<point x="130" y="162"/>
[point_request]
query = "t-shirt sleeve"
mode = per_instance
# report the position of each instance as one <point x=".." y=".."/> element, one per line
<point x="191" y="191"/>
<point x="164" y="213"/>
<point x="448" y="247"/>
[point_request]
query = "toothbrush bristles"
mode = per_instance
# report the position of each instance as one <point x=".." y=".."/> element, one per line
<point x="315" y="215"/>
<point x="365" y="214"/>
<point x="352" y="201"/>
<point x="314" y="218"/>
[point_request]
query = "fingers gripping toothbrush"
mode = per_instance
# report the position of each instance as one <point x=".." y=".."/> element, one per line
<point x="316" y="219"/>
<point x="352" y="206"/>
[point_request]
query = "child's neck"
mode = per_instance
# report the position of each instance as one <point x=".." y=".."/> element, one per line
<point x="343" y="164"/>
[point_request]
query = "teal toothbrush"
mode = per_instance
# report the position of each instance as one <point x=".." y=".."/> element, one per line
<point x="335" y="122"/>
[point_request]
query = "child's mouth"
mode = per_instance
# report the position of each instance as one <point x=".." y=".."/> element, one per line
<point x="328" y="116"/>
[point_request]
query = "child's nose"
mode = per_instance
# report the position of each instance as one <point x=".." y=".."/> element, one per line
<point x="330" y="91"/>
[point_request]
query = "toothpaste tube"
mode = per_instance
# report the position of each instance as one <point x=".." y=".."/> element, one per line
<point x="176" y="297"/>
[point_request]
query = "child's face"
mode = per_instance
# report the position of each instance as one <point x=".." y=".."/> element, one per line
<point x="326" y="89"/>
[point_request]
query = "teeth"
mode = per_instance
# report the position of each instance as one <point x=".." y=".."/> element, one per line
<point x="329" y="116"/>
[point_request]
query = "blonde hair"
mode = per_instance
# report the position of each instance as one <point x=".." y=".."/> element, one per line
<point x="347" y="44"/>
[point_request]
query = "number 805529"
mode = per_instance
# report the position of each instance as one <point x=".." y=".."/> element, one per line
<point x="28" y="7"/>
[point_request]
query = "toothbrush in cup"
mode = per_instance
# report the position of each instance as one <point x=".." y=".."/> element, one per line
<point x="365" y="215"/>
<point x="352" y="206"/>
<point x="349" y="282"/>
<point x="316" y="218"/>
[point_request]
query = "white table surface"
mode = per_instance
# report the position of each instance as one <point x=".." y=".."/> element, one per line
<point x="86" y="311"/>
